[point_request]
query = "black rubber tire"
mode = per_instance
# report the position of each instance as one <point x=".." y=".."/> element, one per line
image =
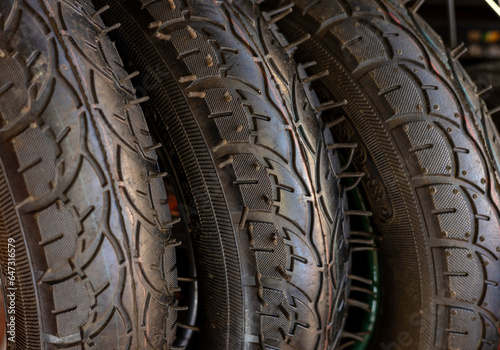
<point x="430" y="177"/>
<point x="86" y="255"/>
<point x="487" y="74"/>
<point x="260" y="189"/>
<point x="487" y="77"/>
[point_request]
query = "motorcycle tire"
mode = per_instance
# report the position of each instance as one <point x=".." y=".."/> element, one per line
<point x="87" y="260"/>
<point x="260" y="190"/>
<point x="486" y="76"/>
<point x="431" y="174"/>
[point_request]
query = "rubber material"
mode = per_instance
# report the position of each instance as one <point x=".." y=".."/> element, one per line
<point x="486" y="76"/>
<point x="431" y="177"/>
<point x="82" y="204"/>
<point x="248" y="152"/>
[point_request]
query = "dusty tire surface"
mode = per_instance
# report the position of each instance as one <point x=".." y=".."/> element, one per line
<point x="85" y="250"/>
<point x="260" y="189"/>
<point x="431" y="172"/>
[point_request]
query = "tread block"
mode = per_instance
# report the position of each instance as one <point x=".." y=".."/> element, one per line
<point x="230" y="117"/>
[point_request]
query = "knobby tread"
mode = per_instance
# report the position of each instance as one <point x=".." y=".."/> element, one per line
<point x="249" y="152"/>
<point x="432" y="173"/>
<point x="79" y="192"/>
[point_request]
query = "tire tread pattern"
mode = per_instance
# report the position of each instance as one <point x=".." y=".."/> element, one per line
<point x="262" y="148"/>
<point x="435" y="114"/>
<point x="84" y="181"/>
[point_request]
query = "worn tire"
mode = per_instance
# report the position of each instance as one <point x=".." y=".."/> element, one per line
<point x="86" y="255"/>
<point x="431" y="176"/>
<point x="259" y="188"/>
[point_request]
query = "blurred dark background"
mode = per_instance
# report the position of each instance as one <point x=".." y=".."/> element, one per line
<point x="477" y="25"/>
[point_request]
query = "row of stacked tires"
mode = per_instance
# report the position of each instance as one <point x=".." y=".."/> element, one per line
<point x="194" y="174"/>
